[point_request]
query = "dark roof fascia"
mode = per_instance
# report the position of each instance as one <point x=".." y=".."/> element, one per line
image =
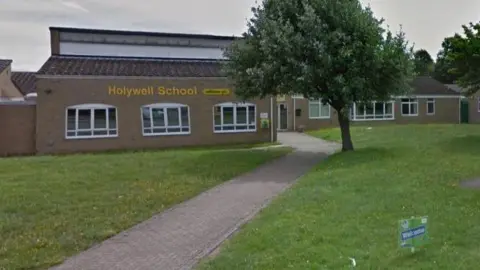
<point x="102" y="57"/>
<point x="138" y="33"/>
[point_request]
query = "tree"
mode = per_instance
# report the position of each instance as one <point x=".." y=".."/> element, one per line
<point x="332" y="50"/>
<point x="462" y="53"/>
<point x="423" y="62"/>
<point x="443" y="65"/>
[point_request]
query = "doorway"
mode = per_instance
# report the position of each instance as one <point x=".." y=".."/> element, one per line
<point x="464" y="111"/>
<point x="282" y="117"/>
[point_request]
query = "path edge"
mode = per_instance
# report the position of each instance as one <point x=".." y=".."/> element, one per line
<point x="207" y="252"/>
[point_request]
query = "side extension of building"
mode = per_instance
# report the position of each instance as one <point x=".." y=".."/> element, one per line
<point x="430" y="102"/>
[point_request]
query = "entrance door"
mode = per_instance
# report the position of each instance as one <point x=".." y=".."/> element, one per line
<point x="464" y="111"/>
<point x="282" y="117"/>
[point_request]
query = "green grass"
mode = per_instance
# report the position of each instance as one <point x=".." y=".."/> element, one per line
<point x="349" y="206"/>
<point x="52" y="207"/>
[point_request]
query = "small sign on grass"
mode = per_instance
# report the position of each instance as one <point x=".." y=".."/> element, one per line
<point x="413" y="232"/>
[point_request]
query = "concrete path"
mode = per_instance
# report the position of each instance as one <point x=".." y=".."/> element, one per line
<point x="182" y="235"/>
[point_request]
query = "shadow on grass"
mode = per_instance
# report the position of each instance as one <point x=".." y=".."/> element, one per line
<point x="465" y="145"/>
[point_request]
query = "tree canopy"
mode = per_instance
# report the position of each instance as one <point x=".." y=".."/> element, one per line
<point x="461" y="58"/>
<point x="423" y="62"/>
<point x="335" y="51"/>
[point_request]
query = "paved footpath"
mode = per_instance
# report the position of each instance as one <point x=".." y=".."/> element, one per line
<point x="179" y="237"/>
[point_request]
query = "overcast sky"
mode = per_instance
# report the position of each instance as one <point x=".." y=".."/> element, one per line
<point x="24" y="35"/>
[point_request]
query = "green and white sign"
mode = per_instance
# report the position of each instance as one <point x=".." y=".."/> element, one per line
<point x="413" y="232"/>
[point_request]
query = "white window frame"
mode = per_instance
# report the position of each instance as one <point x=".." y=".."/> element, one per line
<point x="430" y="101"/>
<point x="235" y="125"/>
<point x="411" y="101"/>
<point x="386" y="117"/>
<point x="91" y="107"/>
<point x="320" y="110"/>
<point x="164" y="107"/>
<point x="478" y="104"/>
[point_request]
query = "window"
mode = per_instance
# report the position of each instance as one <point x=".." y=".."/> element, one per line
<point x="91" y="121"/>
<point x="165" y="119"/>
<point x="409" y="107"/>
<point x="478" y="104"/>
<point x="234" y="117"/>
<point x="372" y="111"/>
<point x="318" y="110"/>
<point x="298" y="112"/>
<point x="430" y="106"/>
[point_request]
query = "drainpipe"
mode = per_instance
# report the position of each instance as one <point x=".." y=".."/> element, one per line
<point x="294" y="114"/>
<point x="460" y="110"/>
<point x="271" y="120"/>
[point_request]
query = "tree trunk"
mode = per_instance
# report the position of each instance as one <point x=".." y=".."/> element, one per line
<point x="347" y="144"/>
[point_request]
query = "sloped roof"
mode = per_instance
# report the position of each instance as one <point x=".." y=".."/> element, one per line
<point x="24" y="81"/>
<point x="4" y="63"/>
<point x="124" y="66"/>
<point x="454" y="87"/>
<point x="424" y="85"/>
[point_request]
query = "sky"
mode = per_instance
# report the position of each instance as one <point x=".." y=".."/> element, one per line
<point x="24" y="35"/>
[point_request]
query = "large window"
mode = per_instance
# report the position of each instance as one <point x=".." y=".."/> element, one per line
<point x="430" y="106"/>
<point x="372" y="111"/>
<point x="234" y="117"/>
<point x="318" y="110"/>
<point x="409" y="107"/>
<point x="91" y="121"/>
<point x="165" y="119"/>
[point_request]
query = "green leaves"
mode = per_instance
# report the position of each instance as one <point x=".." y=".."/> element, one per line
<point x="423" y="62"/>
<point x="333" y="50"/>
<point x="461" y="58"/>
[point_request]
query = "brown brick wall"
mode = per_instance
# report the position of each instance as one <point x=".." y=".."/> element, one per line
<point x="303" y="120"/>
<point x="17" y="125"/>
<point x="446" y="111"/>
<point x="473" y="109"/>
<point x="67" y="92"/>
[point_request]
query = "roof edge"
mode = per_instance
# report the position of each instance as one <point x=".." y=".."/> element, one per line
<point x="106" y="57"/>
<point x="123" y="77"/>
<point x="137" y="33"/>
<point x="9" y="64"/>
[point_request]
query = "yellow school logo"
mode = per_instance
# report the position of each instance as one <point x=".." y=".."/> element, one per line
<point x="165" y="91"/>
<point x="216" y="92"/>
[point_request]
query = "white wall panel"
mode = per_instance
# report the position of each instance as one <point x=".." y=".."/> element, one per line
<point x="142" y="40"/>
<point x="72" y="48"/>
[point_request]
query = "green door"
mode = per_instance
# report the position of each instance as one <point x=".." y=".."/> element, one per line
<point x="464" y="111"/>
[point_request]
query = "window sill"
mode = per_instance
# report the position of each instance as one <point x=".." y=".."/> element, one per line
<point x="408" y="115"/>
<point x="365" y="120"/>
<point x="430" y="114"/>
<point x="236" y="131"/>
<point x="90" y="137"/>
<point x="165" y="134"/>
<point x="319" y="118"/>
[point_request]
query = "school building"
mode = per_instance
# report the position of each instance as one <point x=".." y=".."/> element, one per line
<point x="106" y="90"/>
<point x="110" y="90"/>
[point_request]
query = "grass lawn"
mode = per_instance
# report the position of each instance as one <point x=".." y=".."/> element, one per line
<point x="53" y="207"/>
<point x="349" y="206"/>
